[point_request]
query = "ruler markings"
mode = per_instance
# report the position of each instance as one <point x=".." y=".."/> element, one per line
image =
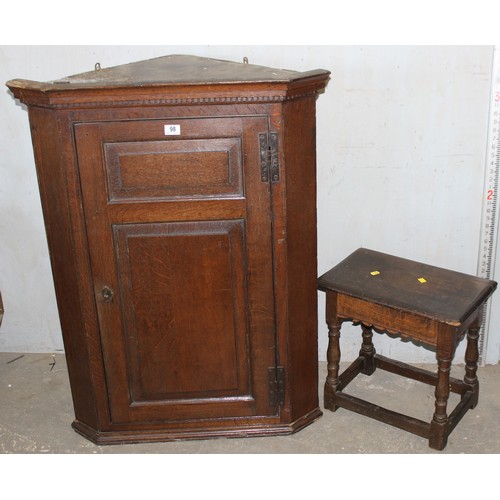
<point x="487" y="247"/>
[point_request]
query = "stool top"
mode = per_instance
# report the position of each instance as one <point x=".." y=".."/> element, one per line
<point x="439" y="294"/>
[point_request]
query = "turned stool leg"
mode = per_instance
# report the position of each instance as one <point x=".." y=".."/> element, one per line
<point x="333" y="352"/>
<point x="471" y="359"/>
<point x="367" y="350"/>
<point x="438" y="436"/>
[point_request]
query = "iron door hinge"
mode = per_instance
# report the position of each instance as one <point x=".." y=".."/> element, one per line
<point x="276" y="386"/>
<point x="269" y="160"/>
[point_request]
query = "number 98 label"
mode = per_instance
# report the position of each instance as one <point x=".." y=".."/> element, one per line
<point x="172" y="129"/>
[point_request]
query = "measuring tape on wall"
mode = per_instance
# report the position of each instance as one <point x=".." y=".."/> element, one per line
<point x="489" y="219"/>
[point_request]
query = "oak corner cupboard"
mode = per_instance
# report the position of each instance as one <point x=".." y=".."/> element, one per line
<point x="179" y="198"/>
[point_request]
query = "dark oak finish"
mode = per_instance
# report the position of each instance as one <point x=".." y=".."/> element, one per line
<point x="183" y="250"/>
<point x="413" y="300"/>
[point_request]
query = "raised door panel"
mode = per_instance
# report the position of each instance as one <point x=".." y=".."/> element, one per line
<point x="180" y="242"/>
<point x="174" y="169"/>
<point x="183" y="302"/>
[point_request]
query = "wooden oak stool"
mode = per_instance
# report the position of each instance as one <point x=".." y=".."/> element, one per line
<point x="417" y="301"/>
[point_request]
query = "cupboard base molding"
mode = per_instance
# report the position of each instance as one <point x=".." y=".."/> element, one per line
<point x="194" y="433"/>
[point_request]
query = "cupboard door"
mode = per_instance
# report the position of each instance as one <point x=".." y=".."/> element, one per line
<point x="179" y="231"/>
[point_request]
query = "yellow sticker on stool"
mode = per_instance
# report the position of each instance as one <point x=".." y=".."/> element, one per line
<point x="422" y="280"/>
<point x="375" y="273"/>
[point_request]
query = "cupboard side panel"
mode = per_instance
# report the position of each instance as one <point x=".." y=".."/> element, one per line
<point x="299" y="152"/>
<point x="55" y="197"/>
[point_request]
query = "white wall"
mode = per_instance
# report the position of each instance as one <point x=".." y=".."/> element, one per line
<point x="401" y="147"/>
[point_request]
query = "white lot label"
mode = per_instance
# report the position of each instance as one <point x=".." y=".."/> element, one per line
<point x="172" y="130"/>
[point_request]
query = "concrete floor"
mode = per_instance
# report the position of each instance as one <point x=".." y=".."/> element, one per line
<point x="36" y="413"/>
